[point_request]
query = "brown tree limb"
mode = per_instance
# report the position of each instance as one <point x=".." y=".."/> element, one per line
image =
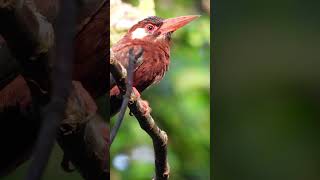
<point x="159" y="138"/>
<point x="147" y="123"/>
<point x="84" y="136"/>
<point x="28" y="36"/>
<point x="61" y="86"/>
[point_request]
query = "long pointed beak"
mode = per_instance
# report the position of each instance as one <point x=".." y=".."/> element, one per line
<point x="173" y="24"/>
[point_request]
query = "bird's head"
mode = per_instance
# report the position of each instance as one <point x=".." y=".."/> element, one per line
<point x="158" y="30"/>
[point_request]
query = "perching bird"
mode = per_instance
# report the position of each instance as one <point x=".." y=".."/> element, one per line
<point x="153" y="34"/>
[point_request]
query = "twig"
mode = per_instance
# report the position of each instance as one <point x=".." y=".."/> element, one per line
<point x="145" y="120"/>
<point x="61" y="85"/>
<point x="126" y="99"/>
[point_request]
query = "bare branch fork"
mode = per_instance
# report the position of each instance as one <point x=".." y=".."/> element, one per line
<point x="147" y="123"/>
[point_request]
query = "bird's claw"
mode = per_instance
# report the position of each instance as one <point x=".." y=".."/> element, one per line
<point x="144" y="104"/>
<point x="145" y="107"/>
<point x="136" y="92"/>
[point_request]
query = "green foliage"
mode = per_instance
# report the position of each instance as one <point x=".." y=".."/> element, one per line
<point x="180" y="104"/>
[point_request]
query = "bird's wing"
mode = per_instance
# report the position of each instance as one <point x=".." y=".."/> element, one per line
<point x="121" y="54"/>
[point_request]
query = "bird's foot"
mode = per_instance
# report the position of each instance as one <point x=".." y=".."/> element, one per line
<point x="145" y="108"/>
<point x="136" y="92"/>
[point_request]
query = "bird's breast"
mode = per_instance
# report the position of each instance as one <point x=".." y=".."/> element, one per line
<point x="155" y="62"/>
<point x="151" y="67"/>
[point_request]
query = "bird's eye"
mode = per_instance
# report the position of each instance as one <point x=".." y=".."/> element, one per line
<point x="150" y="27"/>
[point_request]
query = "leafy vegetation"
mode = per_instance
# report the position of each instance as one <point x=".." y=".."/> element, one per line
<point x="180" y="106"/>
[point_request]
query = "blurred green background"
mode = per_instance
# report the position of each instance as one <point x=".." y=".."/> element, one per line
<point x="180" y="103"/>
<point x="266" y="83"/>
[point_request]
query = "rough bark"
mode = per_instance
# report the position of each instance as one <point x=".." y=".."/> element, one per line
<point x="147" y="123"/>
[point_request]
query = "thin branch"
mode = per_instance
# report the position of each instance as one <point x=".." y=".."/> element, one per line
<point x="61" y="85"/>
<point x="126" y="99"/>
<point x="147" y="123"/>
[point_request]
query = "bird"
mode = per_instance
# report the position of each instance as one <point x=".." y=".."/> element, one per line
<point x="153" y="35"/>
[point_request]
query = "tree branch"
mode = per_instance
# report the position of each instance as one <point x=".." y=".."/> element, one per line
<point x="145" y="120"/>
<point x="84" y="136"/>
<point x="29" y="37"/>
<point x="126" y="99"/>
<point x="61" y="85"/>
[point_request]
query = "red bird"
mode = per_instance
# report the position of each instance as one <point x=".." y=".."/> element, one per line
<point x="153" y="34"/>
